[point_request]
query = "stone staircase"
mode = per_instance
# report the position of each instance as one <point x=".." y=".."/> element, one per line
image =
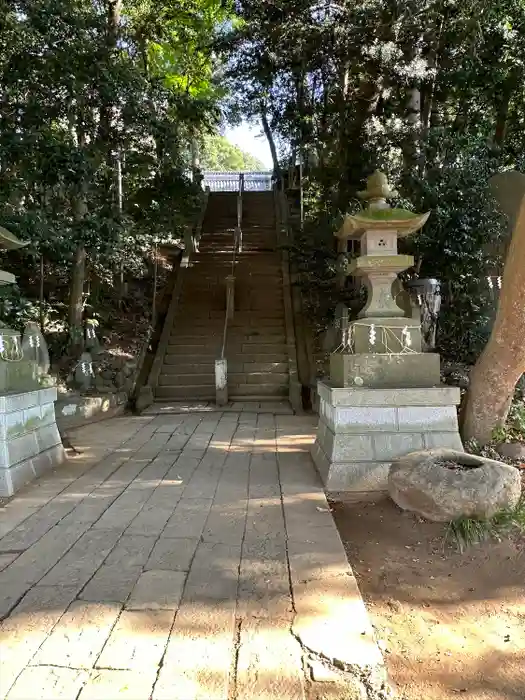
<point x="256" y="346"/>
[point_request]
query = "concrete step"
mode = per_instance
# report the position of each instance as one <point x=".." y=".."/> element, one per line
<point x="186" y="379"/>
<point x="256" y="357"/>
<point x="191" y="350"/>
<point x="255" y="348"/>
<point x="199" y="321"/>
<point x="207" y="338"/>
<point x="240" y="338"/>
<point x="253" y="390"/>
<point x="177" y="358"/>
<point x="186" y="392"/>
<point x="179" y="365"/>
<point x="259" y="378"/>
<point x="235" y="367"/>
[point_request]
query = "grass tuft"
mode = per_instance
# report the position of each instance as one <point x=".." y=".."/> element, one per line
<point x="466" y="532"/>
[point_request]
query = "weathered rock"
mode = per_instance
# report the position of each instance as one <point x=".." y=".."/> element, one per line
<point x="420" y="482"/>
<point x="512" y="450"/>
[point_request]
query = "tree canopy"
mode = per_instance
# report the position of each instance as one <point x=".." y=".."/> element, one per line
<point x="430" y="92"/>
<point x="99" y="102"/>
<point x="219" y="154"/>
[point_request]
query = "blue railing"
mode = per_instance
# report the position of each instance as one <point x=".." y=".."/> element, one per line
<point x="229" y="182"/>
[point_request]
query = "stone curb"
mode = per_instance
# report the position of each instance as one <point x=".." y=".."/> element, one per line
<point x="75" y="411"/>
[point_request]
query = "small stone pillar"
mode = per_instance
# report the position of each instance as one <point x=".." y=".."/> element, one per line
<point x="384" y="397"/>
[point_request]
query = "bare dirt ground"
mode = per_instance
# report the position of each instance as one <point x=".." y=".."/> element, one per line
<point x="450" y="624"/>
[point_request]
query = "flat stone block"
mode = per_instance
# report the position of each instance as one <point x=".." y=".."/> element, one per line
<point x="385" y="371"/>
<point x="111" y="583"/>
<point x="356" y="419"/>
<point x="270" y="661"/>
<point x="130" y="551"/>
<point x="47" y="395"/>
<point x="451" y="440"/>
<point x="124" y="685"/>
<point x="333" y="621"/>
<point x="389" y="446"/>
<point x="138" y="640"/>
<point x="12" y="479"/>
<point x="48" y="683"/>
<point x="172" y="554"/>
<point x="345" y="446"/>
<point x="18" y="402"/>
<point x="427" y="418"/>
<point x="18" y="449"/>
<point x="157" y="590"/>
<point x="431" y="396"/>
<point x="78" y="638"/>
<point x="199" y="654"/>
<point x="355" y="477"/>
<point x="47" y="437"/>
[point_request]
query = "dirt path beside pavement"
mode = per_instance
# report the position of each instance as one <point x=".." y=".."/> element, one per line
<point x="450" y="624"/>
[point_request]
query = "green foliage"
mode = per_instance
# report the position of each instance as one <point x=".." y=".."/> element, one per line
<point x="514" y="428"/>
<point x="89" y="92"/>
<point x="466" y="532"/>
<point x="430" y="92"/>
<point x="218" y="154"/>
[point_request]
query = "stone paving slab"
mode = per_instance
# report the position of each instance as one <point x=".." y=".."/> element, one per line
<point x="182" y="555"/>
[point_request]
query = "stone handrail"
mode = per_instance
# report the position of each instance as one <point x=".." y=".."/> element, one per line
<point x="190" y="248"/>
<point x="221" y="364"/>
<point x="283" y="236"/>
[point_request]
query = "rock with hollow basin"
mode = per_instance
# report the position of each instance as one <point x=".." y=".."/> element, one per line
<point x="443" y="485"/>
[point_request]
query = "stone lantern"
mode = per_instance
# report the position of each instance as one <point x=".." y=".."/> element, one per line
<point x="30" y="443"/>
<point x="384" y="344"/>
<point x="384" y="398"/>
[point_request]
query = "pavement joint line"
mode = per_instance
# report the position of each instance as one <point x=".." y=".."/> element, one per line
<point x="162" y="658"/>
<point x="77" y="598"/>
<point x="87" y="468"/>
<point x="244" y="465"/>
<point x="233" y="689"/>
<point x="89" y="526"/>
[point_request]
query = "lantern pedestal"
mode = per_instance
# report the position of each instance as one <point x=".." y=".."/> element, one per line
<point x="361" y="431"/>
<point x="30" y="443"/>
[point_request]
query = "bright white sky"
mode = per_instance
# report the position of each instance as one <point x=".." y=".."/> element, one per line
<point x="252" y="140"/>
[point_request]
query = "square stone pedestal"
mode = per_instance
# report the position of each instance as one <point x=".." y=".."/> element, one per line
<point x="361" y="431"/>
<point x="30" y="443"/>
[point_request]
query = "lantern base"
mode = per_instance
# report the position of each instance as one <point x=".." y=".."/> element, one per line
<point x="361" y="432"/>
<point x="30" y="443"/>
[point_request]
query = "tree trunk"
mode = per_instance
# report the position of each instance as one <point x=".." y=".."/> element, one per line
<point x="114" y="11"/>
<point x="502" y="108"/>
<point x="502" y="363"/>
<point x="76" y="296"/>
<point x="271" y="142"/>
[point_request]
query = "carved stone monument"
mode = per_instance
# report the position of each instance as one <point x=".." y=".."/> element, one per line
<point x="384" y="397"/>
<point x="30" y="443"/>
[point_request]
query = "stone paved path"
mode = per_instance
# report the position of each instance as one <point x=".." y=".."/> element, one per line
<point x="181" y="557"/>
